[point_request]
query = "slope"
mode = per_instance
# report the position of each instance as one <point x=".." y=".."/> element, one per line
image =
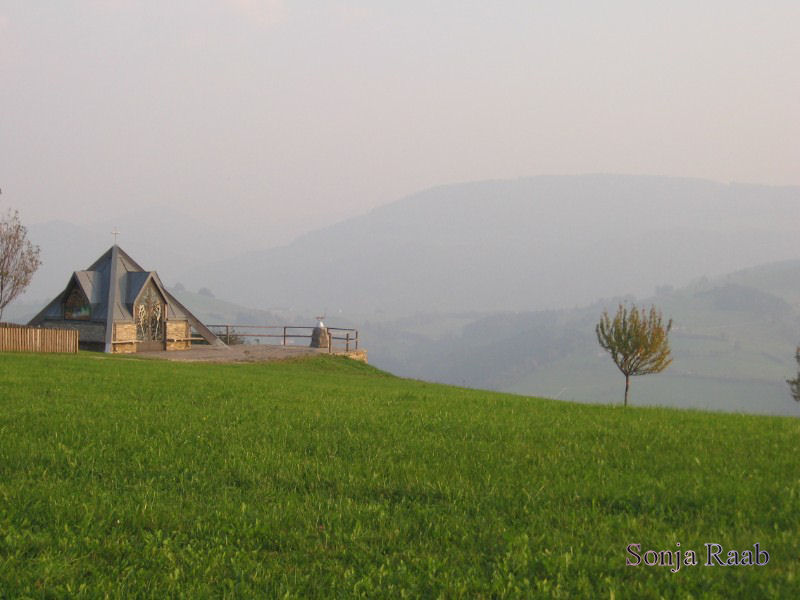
<point x="733" y="345"/>
<point x="327" y="478"/>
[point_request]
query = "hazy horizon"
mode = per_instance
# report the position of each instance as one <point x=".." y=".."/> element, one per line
<point x="214" y="133"/>
<point x="273" y="118"/>
<point x="517" y="244"/>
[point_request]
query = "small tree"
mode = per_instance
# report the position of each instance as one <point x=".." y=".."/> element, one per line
<point x="19" y="259"/>
<point x="636" y="340"/>
<point x="794" y="384"/>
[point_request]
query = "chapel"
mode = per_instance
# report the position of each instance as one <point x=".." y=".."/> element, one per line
<point x="118" y="307"/>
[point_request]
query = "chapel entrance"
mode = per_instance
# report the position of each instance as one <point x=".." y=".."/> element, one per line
<point x="149" y="313"/>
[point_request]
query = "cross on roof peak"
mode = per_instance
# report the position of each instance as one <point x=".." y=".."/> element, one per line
<point x="115" y="233"/>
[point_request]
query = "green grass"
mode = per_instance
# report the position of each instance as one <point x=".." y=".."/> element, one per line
<point x="326" y="478"/>
<point x="702" y="375"/>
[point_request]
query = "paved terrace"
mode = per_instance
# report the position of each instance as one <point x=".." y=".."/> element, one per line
<point x="246" y="353"/>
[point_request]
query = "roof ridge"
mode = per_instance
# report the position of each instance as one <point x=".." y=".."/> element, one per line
<point x="126" y="256"/>
<point x="112" y="298"/>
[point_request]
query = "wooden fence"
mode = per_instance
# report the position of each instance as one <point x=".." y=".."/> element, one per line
<point x="34" y="339"/>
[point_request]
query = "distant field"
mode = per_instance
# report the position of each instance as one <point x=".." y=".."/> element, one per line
<point x="326" y="478"/>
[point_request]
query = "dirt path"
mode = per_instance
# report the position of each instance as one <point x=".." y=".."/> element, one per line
<point x="239" y="353"/>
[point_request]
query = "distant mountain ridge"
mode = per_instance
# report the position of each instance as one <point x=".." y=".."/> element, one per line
<point x="523" y="244"/>
<point x="535" y="243"/>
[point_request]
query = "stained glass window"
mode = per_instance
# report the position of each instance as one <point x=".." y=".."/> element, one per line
<point x="76" y="306"/>
<point x="149" y="315"/>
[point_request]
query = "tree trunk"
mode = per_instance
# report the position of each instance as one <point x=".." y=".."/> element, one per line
<point x="627" y="385"/>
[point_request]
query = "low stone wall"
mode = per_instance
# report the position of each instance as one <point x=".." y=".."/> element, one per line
<point x="359" y="355"/>
<point x="93" y="335"/>
<point x="178" y="329"/>
<point x="124" y="338"/>
<point x="87" y="330"/>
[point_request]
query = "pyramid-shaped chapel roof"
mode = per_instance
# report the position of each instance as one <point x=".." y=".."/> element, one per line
<point x="111" y="285"/>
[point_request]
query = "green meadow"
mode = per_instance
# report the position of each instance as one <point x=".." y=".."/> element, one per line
<point x="327" y="478"/>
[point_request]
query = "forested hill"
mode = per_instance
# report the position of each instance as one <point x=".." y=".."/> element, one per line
<point x="733" y="344"/>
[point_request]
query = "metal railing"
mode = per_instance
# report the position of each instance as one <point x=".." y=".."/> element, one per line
<point x="284" y="333"/>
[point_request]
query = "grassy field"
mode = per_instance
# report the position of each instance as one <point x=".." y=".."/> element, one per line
<point x="326" y="478"/>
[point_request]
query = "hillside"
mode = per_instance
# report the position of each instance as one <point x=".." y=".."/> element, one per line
<point x="733" y="346"/>
<point x="525" y="244"/>
<point x="327" y="478"/>
<point x="548" y="242"/>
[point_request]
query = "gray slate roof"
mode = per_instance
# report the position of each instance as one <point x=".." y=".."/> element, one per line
<point x="112" y="284"/>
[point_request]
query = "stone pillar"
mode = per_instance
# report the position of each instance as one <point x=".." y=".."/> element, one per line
<point x="320" y="336"/>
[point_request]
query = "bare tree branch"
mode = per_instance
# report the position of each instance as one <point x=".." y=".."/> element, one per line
<point x="19" y="259"/>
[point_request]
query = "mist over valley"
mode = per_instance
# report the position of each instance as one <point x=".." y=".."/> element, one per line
<point x="498" y="284"/>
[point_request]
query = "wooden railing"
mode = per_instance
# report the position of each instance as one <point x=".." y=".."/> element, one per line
<point x="346" y="338"/>
<point x="15" y="338"/>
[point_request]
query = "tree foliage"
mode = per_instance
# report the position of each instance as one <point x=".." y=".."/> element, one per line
<point x="794" y="384"/>
<point x="637" y="341"/>
<point x="19" y="259"/>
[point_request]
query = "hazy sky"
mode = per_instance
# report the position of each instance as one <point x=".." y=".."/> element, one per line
<point x="270" y="114"/>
